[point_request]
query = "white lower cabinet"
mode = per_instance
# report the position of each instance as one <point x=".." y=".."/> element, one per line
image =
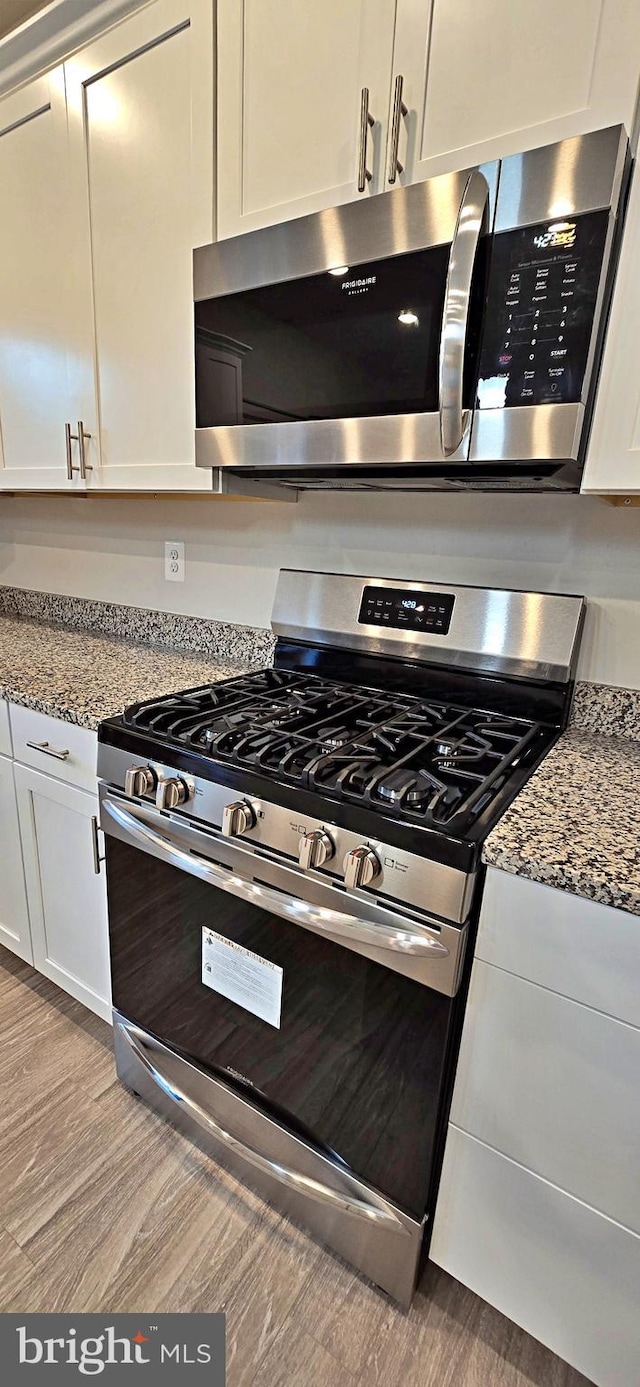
<point x="5" y="729"/>
<point x="555" y="1086"/>
<point x="14" y="915"/>
<point x="67" y="896"/>
<point x="56" y="748"/>
<point x="539" y="1204"/>
<point x="562" y="1271"/>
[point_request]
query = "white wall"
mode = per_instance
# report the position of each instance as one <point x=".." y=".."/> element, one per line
<point x="113" y="549"/>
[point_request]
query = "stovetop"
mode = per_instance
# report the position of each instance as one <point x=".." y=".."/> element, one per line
<point x="416" y="759"/>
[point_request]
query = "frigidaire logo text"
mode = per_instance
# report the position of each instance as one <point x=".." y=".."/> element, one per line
<point x="92" y="1355"/>
<point x="351" y="284"/>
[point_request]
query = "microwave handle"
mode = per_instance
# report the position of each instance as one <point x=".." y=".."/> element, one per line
<point x="455" y="317"/>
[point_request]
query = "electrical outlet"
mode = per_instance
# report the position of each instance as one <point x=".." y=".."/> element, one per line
<point x="174" y="562"/>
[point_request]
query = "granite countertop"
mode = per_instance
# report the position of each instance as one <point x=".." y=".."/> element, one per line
<point x="576" y="823"/>
<point x="82" y="677"/>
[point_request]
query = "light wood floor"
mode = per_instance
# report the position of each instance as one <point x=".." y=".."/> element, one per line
<point x="105" y="1207"/>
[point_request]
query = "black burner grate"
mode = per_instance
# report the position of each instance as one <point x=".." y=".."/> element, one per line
<point x="421" y="760"/>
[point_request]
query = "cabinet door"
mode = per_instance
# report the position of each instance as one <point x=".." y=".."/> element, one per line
<point x="14" y="916"/>
<point x="46" y="355"/>
<point x="553" y="1085"/>
<point x="554" y="939"/>
<point x="290" y="82"/>
<point x="555" y="1266"/>
<point x="484" y="80"/>
<point x="67" y="897"/>
<point x="613" y="456"/>
<point x="141" y="120"/>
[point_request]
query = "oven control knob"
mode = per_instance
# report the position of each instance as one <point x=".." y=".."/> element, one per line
<point x="171" y="793"/>
<point x="314" y="849"/>
<point x="139" y="780"/>
<point x="361" y="867"/>
<point x="237" y="818"/>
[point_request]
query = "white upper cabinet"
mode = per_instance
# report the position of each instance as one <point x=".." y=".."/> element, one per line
<point x="450" y="85"/>
<point x="613" y="455"/>
<point x="490" y="79"/>
<point x="141" y="120"/>
<point x="291" y="124"/>
<point x="46" y="357"/>
<point x="107" y="184"/>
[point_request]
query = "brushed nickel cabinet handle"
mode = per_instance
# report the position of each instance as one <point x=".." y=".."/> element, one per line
<point x="95" y="845"/>
<point x="82" y="437"/>
<point x="366" y="120"/>
<point x="48" y="750"/>
<point x="399" y="110"/>
<point x="70" y="437"/>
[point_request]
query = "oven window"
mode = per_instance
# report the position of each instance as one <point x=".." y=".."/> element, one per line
<point x="356" y="1065"/>
<point x="329" y="346"/>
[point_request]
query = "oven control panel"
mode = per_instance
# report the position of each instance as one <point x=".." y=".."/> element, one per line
<point x="543" y="288"/>
<point x="406" y="609"/>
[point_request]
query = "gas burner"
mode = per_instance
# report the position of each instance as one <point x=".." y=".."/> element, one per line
<point x="415" y="759"/>
<point x="335" y="736"/>
<point x="396" y="785"/>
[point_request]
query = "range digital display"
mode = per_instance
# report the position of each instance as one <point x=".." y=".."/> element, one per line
<point x="405" y="609"/>
<point x="540" y="311"/>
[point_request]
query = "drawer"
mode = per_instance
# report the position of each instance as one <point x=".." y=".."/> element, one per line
<point x="37" y="738"/>
<point x="582" y="949"/>
<point x="5" y="729"/>
<point x="563" y="1272"/>
<point x="555" y="1086"/>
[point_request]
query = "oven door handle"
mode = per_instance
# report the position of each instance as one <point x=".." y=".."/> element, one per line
<point x="453" y="337"/>
<point x="371" y="1209"/>
<point x="319" y="918"/>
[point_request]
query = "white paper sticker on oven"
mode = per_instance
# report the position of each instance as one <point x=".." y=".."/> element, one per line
<point x="253" y="982"/>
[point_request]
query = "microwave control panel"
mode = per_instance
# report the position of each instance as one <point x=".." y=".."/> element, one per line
<point x="543" y="288"/>
<point x="406" y="610"/>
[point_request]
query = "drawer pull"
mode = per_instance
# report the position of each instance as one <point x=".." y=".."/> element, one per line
<point x="48" y="750"/>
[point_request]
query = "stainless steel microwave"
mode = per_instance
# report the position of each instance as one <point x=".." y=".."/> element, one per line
<point x="441" y="335"/>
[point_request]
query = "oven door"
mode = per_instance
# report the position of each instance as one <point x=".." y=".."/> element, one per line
<point x="348" y="338"/>
<point x="213" y="957"/>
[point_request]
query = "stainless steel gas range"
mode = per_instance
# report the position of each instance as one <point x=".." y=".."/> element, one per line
<point x="294" y="874"/>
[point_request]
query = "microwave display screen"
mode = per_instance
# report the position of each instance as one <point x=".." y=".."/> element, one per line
<point x="540" y="311"/>
<point x="329" y="346"/>
<point x="405" y="609"/>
